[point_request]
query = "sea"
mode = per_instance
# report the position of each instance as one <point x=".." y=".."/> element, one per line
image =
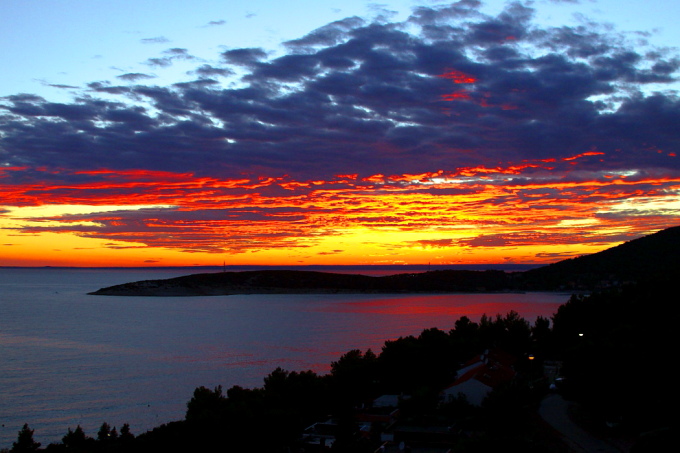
<point x="68" y="358"/>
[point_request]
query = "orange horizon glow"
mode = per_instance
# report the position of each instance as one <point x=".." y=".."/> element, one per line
<point x="509" y="213"/>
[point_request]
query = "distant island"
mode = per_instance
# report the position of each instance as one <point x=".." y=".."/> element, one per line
<point x="311" y="282"/>
<point x="644" y="259"/>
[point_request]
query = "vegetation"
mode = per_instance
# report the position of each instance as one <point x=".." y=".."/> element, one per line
<point x="649" y="259"/>
<point x="607" y="342"/>
<point x="25" y="442"/>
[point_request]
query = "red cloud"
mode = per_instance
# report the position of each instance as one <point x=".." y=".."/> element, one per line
<point x="201" y="214"/>
<point x="458" y="76"/>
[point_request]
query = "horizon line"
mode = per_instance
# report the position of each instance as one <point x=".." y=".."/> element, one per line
<point x="490" y="266"/>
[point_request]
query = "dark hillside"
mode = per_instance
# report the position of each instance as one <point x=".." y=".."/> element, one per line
<point x="649" y="258"/>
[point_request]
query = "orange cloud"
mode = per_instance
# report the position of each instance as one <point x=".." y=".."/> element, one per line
<point x="523" y="206"/>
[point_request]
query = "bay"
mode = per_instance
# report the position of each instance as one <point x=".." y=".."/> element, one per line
<point x="68" y="358"/>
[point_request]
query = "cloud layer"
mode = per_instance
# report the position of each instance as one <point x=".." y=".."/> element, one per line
<point x="449" y="120"/>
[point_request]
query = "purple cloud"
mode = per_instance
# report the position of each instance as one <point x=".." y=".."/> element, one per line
<point x="366" y="98"/>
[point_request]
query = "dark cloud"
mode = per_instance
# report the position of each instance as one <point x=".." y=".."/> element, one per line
<point x="244" y="57"/>
<point x="177" y="52"/>
<point x="547" y="114"/>
<point x="159" y="62"/>
<point x="445" y="16"/>
<point x="105" y="87"/>
<point x="63" y="87"/>
<point x="24" y="97"/>
<point x="207" y="70"/>
<point x="156" y="40"/>
<point x="511" y="25"/>
<point x="368" y="95"/>
<point x="134" y="77"/>
<point x="171" y="55"/>
<point x="328" y="35"/>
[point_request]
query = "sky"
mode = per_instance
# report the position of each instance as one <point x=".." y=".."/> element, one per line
<point x="172" y="133"/>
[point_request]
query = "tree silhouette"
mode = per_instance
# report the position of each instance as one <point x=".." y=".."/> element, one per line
<point x="125" y="434"/>
<point x="25" y="442"/>
<point x="205" y="404"/>
<point x="104" y="433"/>
<point x="76" y="440"/>
<point x="354" y="375"/>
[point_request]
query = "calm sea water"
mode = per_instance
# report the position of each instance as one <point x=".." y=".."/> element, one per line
<point x="67" y="358"/>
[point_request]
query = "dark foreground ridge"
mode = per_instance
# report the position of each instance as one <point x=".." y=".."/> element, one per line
<point x="646" y="259"/>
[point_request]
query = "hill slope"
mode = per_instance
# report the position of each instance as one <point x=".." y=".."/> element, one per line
<point x="650" y="258"/>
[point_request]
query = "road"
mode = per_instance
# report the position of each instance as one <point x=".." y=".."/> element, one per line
<point x="555" y="411"/>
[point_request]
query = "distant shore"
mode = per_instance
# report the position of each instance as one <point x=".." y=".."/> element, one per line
<point x="315" y="282"/>
<point x="355" y="268"/>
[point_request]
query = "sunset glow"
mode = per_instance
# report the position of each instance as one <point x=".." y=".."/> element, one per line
<point x="366" y="142"/>
<point x="474" y="215"/>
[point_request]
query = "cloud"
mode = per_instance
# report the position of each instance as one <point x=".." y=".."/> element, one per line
<point x="156" y="40"/>
<point x="244" y="57"/>
<point x="331" y="252"/>
<point x="328" y="35"/>
<point x="134" y="77"/>
<point x="450" y="118"/>
<point x="207" y="70"/>
<point x="63" y="87"/>
<point x="159" y="62"/>
<point x="374" y="86"/>
<point x="559" y="237"/>
<point x="171" y="55"/>
<point x="435" y="243"/>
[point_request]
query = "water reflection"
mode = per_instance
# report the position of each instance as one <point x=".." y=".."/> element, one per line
<point x="68" y="359"/>
<point x="529" y="305"/>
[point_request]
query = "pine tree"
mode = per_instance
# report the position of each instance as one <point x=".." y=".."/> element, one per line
<point x="25" y="442"/>
<point x="75" y="439"/>
<point x="104" y="433"/>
